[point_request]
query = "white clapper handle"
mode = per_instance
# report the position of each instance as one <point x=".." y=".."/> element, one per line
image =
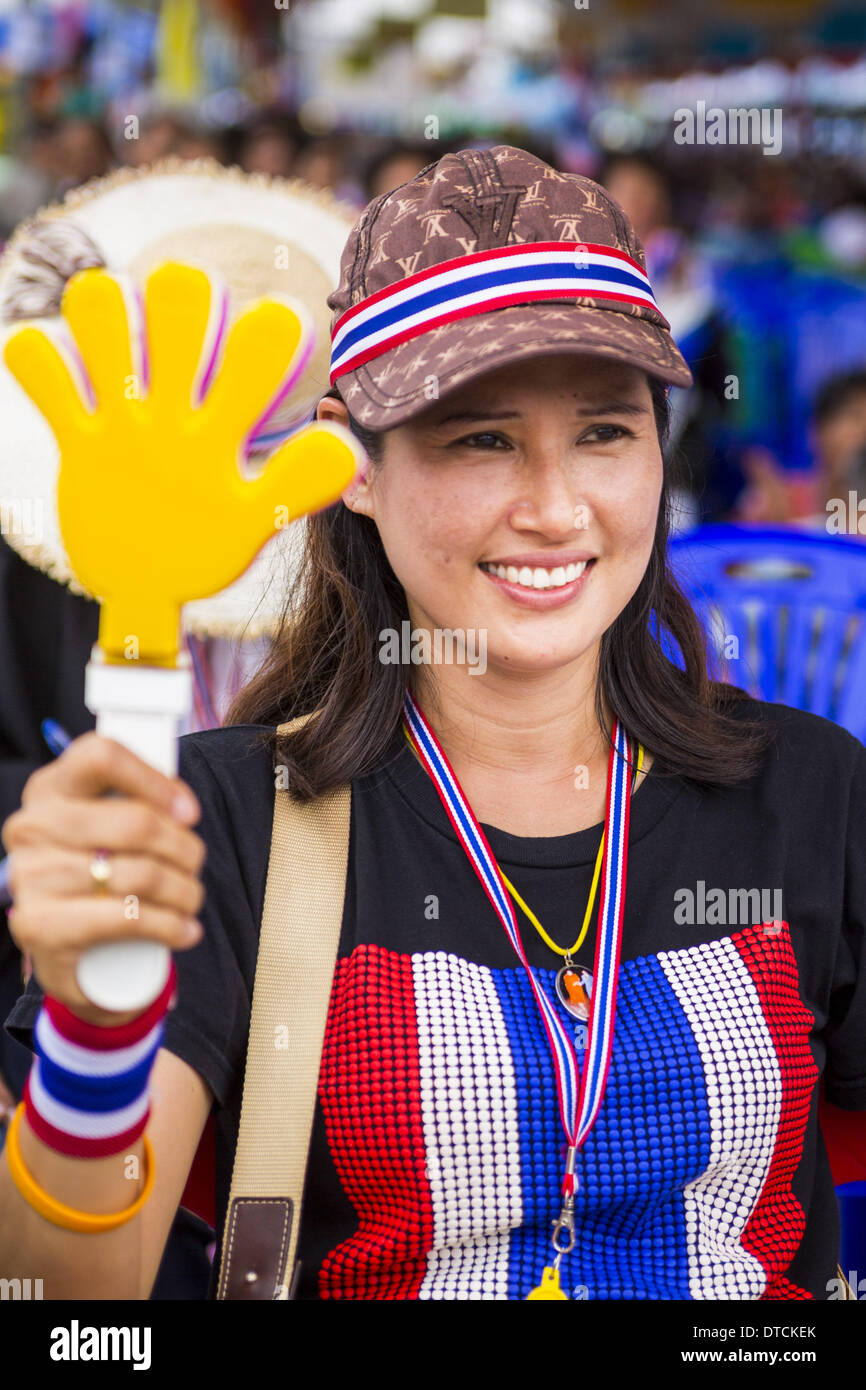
<point x="140" y="707"/>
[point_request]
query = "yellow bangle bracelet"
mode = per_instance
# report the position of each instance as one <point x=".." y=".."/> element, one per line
<point x="91" y="1223"/>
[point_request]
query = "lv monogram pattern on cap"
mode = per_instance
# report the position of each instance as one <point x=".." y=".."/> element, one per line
<point x="475" y="201"/>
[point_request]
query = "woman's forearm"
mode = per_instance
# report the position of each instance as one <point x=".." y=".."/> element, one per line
<point x="72" y="1264"/>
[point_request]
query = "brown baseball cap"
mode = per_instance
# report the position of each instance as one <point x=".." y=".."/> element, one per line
<point x="484" y="257"/>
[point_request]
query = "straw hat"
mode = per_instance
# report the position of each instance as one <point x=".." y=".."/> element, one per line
<point x="262" y="236"/>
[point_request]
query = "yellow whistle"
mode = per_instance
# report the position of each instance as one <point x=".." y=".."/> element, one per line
<point x="549" y="1286"/>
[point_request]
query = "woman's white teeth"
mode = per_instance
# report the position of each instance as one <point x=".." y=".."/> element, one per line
<point x="537" y="578"/>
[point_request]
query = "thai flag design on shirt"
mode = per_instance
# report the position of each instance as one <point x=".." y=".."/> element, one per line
<point x="440" y="1106"/>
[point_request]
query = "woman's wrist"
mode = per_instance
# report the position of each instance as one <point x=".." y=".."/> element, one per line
<point x="103" y="1018"/>
<point x="120" y="1030"/>
<point x="87" y="1095"/>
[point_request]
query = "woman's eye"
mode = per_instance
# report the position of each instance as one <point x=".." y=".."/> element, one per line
<point x="607" y="434"/>
<point x="488" y="439"/>
<point x="485" y="437"/>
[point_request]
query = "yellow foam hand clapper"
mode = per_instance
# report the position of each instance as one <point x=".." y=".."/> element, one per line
<point x="151" y="424"/>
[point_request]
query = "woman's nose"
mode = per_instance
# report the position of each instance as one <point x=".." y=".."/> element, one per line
<point x="551" y="501"/>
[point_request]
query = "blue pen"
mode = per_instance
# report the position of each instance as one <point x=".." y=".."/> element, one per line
<point x="58" y="740"/>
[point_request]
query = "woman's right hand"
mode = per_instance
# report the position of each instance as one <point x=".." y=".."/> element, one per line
<point x="154" y="891"/>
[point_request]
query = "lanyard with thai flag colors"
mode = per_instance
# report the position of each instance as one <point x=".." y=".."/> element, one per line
<point x="580" y="1096"/>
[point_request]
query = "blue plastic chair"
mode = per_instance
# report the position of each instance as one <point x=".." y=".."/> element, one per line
<point x="852" y="1220"/>
<point x="784" y="612"/>
<point x="795" y="602"/>
<point x="790" y="328"/>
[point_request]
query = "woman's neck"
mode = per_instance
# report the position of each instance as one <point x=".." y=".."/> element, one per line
<point x="527" y="750"/>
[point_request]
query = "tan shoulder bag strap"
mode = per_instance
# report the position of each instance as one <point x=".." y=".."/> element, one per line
<point x="300" y="934"/>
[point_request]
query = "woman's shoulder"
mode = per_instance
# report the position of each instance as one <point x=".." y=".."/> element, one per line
<point x="229" y="742"/>
<point x="800" y="737"/>
<point x="236" y="763"/>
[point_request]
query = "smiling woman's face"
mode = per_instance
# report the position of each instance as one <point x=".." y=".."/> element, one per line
<point x="543" y="463"/>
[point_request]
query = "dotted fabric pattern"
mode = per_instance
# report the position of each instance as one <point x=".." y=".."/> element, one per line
<point x="371" y="1075"/>
<point x="439" y="1100"/>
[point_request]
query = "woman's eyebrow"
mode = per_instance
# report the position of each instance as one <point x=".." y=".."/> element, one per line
<point x="614" y="408"/>
<point x="476" y="416"/>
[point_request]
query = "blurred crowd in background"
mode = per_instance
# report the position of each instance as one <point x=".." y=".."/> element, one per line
<point x="757" y="253"/>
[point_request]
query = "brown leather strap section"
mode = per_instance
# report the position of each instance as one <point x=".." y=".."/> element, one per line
<point x="257" y="1239"/>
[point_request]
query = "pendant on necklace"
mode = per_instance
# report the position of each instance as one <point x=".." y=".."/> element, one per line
<point x="574" y="988"/>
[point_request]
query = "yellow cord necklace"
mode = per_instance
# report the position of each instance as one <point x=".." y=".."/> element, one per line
<point x="560" y="950"/>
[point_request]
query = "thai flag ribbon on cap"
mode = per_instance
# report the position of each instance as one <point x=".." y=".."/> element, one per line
<point x="580" y="1097"/>
<point x="496" y="279"/>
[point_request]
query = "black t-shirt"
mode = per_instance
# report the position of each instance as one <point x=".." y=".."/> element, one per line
<point x="437" y="1151"/>
<point x="46" y="635"/>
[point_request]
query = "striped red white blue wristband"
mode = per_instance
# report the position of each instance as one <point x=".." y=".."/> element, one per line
<point x="527" y="273"/>
<point x="87" y="1095"/>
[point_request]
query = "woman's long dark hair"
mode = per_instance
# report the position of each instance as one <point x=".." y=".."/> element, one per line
<point x="325" y="658"/>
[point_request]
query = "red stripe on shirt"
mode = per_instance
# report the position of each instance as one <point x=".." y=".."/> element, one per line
<point x="369" y="1087"/>
<point x="778" y="1221"/>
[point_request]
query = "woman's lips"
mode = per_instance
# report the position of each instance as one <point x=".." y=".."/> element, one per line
<point x="541" y="599"/>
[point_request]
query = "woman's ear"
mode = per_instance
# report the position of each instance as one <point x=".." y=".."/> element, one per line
<point x="357" y="495"/>
<point x="330" y="408"/>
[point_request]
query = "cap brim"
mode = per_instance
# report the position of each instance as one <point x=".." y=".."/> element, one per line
<point x="391" y="389"/>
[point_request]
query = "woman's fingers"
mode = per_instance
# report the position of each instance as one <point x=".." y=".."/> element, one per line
<point x="73" y="924"/>
<point x="115" y="824"/>
<point x="93" y="765"/>
<point x="100" y="795"/>
<point x="133" y="878"/>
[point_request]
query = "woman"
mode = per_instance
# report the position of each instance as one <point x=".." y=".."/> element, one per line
<point x="516" y="495"/>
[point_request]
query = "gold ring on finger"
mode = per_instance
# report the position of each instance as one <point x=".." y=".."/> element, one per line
<point x="100" y="871"/>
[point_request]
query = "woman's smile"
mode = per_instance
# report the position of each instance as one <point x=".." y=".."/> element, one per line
<point x="540" y="586"/>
